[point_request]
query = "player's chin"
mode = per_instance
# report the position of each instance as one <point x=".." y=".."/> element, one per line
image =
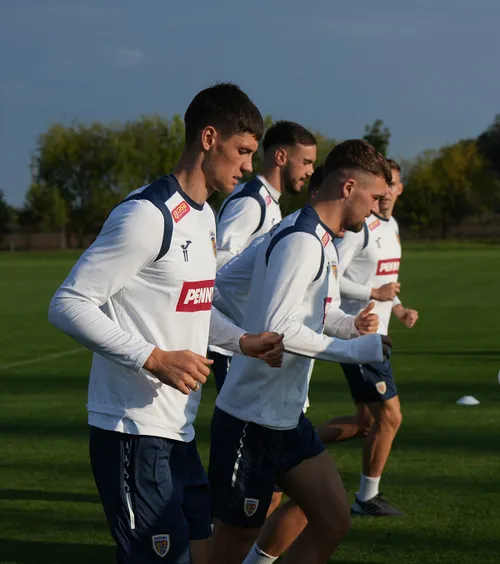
<point x="355" y="228"/>
<point x="227" y="188"/>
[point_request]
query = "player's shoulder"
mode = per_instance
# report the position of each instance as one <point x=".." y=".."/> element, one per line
<point x="247" y="196"/>
<point x="302" y="230"/>
<point x="254" y="189"/>
<point x="394" y="224"/>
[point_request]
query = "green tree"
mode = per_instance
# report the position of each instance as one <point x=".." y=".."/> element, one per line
<point x="49" y="209"/>
<point x="445" y="188"/>
<point x="6" y="216"/>
<point x="489" y="146"/>
<point x="82" y="162"/>
<point x="147" y="148"/>
<point x="378" y="135"/>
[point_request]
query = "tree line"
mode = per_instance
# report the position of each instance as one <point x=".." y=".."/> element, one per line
<point x="82" y="171"/>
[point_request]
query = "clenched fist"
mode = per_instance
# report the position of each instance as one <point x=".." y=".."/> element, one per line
<point x="367" y="322"/>
<point x="182" y="370"/>
<point x="387" y="292"/>
<point x="267" y="346"/>
<point x="406" y="315"/>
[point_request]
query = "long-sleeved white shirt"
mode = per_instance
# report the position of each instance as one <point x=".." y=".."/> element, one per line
<point x="369" y="259"/>
<point x="249" y="212"/>
<point x="293" y="285"/>
<point x="146" y="281"/>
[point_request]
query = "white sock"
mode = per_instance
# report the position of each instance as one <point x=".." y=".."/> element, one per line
<point x="368" y="488"/>
<point x="257" y="556"/>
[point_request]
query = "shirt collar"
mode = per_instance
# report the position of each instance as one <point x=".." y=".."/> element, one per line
<point x="275" y="195"/>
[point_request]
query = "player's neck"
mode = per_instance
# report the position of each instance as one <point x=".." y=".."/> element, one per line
<point x="191" y="178"/>
<point x="273" y="176"/>
<point x="385" y="214"/>
<point x="329" y="213"/>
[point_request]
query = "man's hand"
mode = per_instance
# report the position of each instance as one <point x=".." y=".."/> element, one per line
<point x="182" y="370"/>
<point x="366" y="322"/>
<point x="266" y="346"/>
<point x="387" y="292"/>
<point x="406" y="315"/>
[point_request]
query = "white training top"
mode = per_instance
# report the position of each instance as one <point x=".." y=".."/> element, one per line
<point x="250" y="211"/>
<point x="146" y="281"/>
<point x="293" y="284"/>
<point x="369" y="259"/>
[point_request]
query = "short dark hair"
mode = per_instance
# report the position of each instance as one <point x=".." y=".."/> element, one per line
<point x="316" y="179"/>
<point x="226" y="107"/>
<point x="287" y="133"/>
<point x="357" y="154"/>
<point x="394" y="165"/>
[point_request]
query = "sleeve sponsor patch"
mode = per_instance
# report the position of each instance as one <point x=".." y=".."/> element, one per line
<point x="180" y="211"/>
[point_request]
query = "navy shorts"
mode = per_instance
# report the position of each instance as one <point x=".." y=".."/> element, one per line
<point x="370" y="383"/>
<point x="247" y="460"/>
<point x="155" y="495"/>
<point x="220" y="367"/>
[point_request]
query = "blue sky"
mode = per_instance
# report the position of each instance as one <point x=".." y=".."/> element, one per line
<point x="428" y="68"/>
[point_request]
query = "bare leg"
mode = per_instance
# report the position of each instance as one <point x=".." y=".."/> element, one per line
<point x="231" y="544"/>
<point x="281" y="529"/>
<point x="347" y="426"/>
<point x="200" y="551"/>
<point x="275" y="502"/>
<point x="317" y="488"/>
<point x="379" y="440"/>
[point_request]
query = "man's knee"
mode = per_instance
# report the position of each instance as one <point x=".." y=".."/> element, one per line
<point x="333" y="524"/>
<point x="391" y="416"/>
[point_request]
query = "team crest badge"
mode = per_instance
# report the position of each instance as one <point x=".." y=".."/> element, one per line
<point x="214" y="244"/>
<point x="251" y="506"/>
<point x="161" y="544"/>
<point x="381" y="387"/>
<point x="334" y="270"/>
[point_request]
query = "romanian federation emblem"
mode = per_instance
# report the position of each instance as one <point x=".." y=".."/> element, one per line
<point x="381" y="387"/>
<point x="161" y="544"/>
<point x="214" y="244"/>
<point x="251" y="506"/>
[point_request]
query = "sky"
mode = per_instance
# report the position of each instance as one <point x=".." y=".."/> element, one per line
<point x="429" y="68"/>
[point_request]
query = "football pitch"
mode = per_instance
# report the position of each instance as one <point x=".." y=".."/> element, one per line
<point x="444" y="470"/>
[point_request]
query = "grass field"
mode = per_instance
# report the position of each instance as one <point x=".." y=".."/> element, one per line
<point x="444" y="470"/>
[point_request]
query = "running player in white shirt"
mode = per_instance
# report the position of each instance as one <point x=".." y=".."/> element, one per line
<point x="141" y="298"/>
<point x="369" y="262"/>
<point x="253" y="208"/>
<point x="260" y="435"/>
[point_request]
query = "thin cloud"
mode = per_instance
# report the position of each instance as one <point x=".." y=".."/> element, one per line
<point x="128" y="57"/>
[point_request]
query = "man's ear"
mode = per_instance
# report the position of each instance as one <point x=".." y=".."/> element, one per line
<point x="208" y="137"/>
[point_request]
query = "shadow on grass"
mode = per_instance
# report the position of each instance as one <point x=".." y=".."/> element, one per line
<point x="35" y="552"/>
<point x="461" y="353"/>
<point x="34" y="495"/>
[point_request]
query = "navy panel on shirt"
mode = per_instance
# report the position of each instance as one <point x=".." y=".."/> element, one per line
<point x="306" y="222"/>
<point x="250" y="190"/>
<point x="158" y="192"/>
